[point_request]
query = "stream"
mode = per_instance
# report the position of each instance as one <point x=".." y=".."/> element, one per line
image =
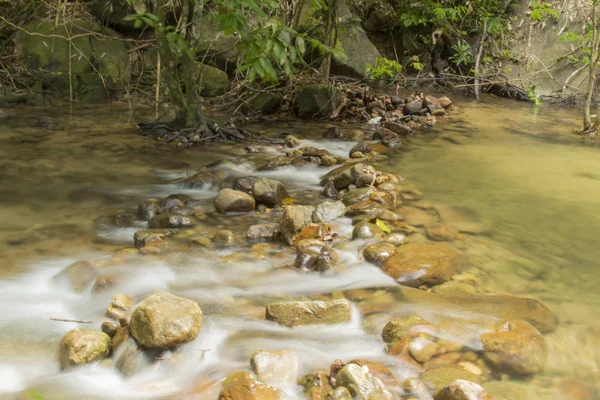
<point x="514" y="169"/>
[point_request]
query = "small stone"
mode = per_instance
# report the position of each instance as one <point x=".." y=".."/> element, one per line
<point x="45" y="122"/>
<point x="361" y="383"/>
<point x="263" y="232"/>
<point x="165" y="205"/>
<point x="154" y="238"/>
<point x="170" y="221"/>
<point x="147" y="210"/>
<point x="276" y="368"/>
<point x="423" y="349"/>
<point x="223" y="238"/>
<point x="401" y="328"/>
<point x="328" y="211"/>
<point x="119" y="306"/>
<point x="296" y="313"/>
<point x="244" y="184"/>
<point x="438" y="378"/>
<point x="291" y="141"/>
<point x="357" y="154"/>
<point x="366" y="230"/>
<point x="361" y="147"/>
<point x="316" y="386"/>
<point x="358" y="195"/>
<point x="462" y="390"/>
<point x="163" y="320"/>
<point x="377" y="253"/>
<point x="399" y="129"/>
<point x="121" y="336"/>
<point x="82" y="346"/>
<point x="229" y="200"/>
<point x="326" y="259"/>
<point x="110" y="328"/>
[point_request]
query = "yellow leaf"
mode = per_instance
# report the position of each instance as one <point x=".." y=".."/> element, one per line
<point x="382" y="226"/>
<point x="288" y="201"/>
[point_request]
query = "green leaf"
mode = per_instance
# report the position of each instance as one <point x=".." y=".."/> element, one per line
<point x="382" y="225"/>
<point x="138" y="23"/>
<point x="300" y="45"/>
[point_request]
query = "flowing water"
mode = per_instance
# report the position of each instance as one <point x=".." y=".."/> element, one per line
<point x="516" y="169"/>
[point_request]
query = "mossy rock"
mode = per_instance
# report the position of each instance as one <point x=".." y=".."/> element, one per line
<point x="99" y="65"/>
<point x="212" y="81"/>
<point x="263" y="103"/>
<point x="214" y="47"/>
<point x="317" y="101"/>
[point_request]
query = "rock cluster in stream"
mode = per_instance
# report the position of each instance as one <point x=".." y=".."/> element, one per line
<point x="415" y="243"/>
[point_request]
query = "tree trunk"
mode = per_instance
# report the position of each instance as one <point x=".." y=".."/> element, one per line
<point x="179" y="70"/>
<point x="588" y="126"/>
<point x="330" y="37"/>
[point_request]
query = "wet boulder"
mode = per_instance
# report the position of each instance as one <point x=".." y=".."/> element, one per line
<point x="245" y="183"/>
<point x="367" y="207"/>
<point x="317" y="101"/>
<point x="427" y="264"/>
<point x="269" y="192"/>
<point x="82" y="346"/>
<point x="367" y="230"/>
<point x="277" y="368"/>
<point x="245" y="388"/>
<point x="517" y="349"/>
<point x="462" y="390"/>
<point x="212" y="81"/>
<point x="339" y="393"/>
<point x="293" y="220"/>
<point x="328" y="211"/>
<point x="263" y="232"/>
<point x="200" y="179"/>
<point x="296" y="313"/>
<point x="398" y="129"/>
<point x="263" y="103"/>
<point x="361" y="147"/>
<point x="234" y="201"/>
<point x="292" y="141"/>
<point x="361" y="383"/>
<point x="163" y="321"/>
<point x="344" y="176"/>
<point x="170" y="221"/>
<point x="377" y="253"/>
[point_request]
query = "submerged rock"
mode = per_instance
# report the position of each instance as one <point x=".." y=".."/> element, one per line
<point x="377" y="253"/>
<point x="296" y="313"/>
<point x="229" y="200"/>
<point x="147" y="237"/>
<point x="82" y="346"/>
<point x="79" y="275"/>
<point x="416" y="217"/>
<point x="423" y="264"/>
<point x="163" y="320"/>
<point x="519" y="349"/>
<point x="462" y="390"/>
<point x="438" y="378"/>
<point x="361" y="383"/>
<point x="119" y="306"/>
<point x="441" y="232"/>
<point x="223" y="238"/>
<point x="401" y="328"/>
<point x="277" y="368"/>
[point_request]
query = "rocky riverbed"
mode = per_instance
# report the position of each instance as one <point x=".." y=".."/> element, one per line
<point x="304" y="270"/>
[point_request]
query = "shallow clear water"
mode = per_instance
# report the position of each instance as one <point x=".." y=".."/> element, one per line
<point x="534" y="186"/>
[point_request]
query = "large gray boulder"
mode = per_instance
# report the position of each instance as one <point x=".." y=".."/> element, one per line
<point x="82" y="346"/>
<point x="163" y="321"/>
<point x="317" y="101"/>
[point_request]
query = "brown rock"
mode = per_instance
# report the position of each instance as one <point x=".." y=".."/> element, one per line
<point x="441" y="232"/>
<point x="82" y="346"/>
<point x="277" y="368"/>
<point x="229" y="200"/>
<point x="402" y="328"/>
<point x="316" y="385"/>
<point x="462" y="390"/>
<point x="438" y="378"/>
<point x="518" y="350"/>
<point x="423" y="264"/>
<point x="248" y="389"/>
<point x="377" y="253"/>
<point x="293" y="220"/>
<point x="416" y="217"/>
<point x="295" y="313"/>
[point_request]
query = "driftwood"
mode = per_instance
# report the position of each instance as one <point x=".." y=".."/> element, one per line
<point x="78" y="321"/>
